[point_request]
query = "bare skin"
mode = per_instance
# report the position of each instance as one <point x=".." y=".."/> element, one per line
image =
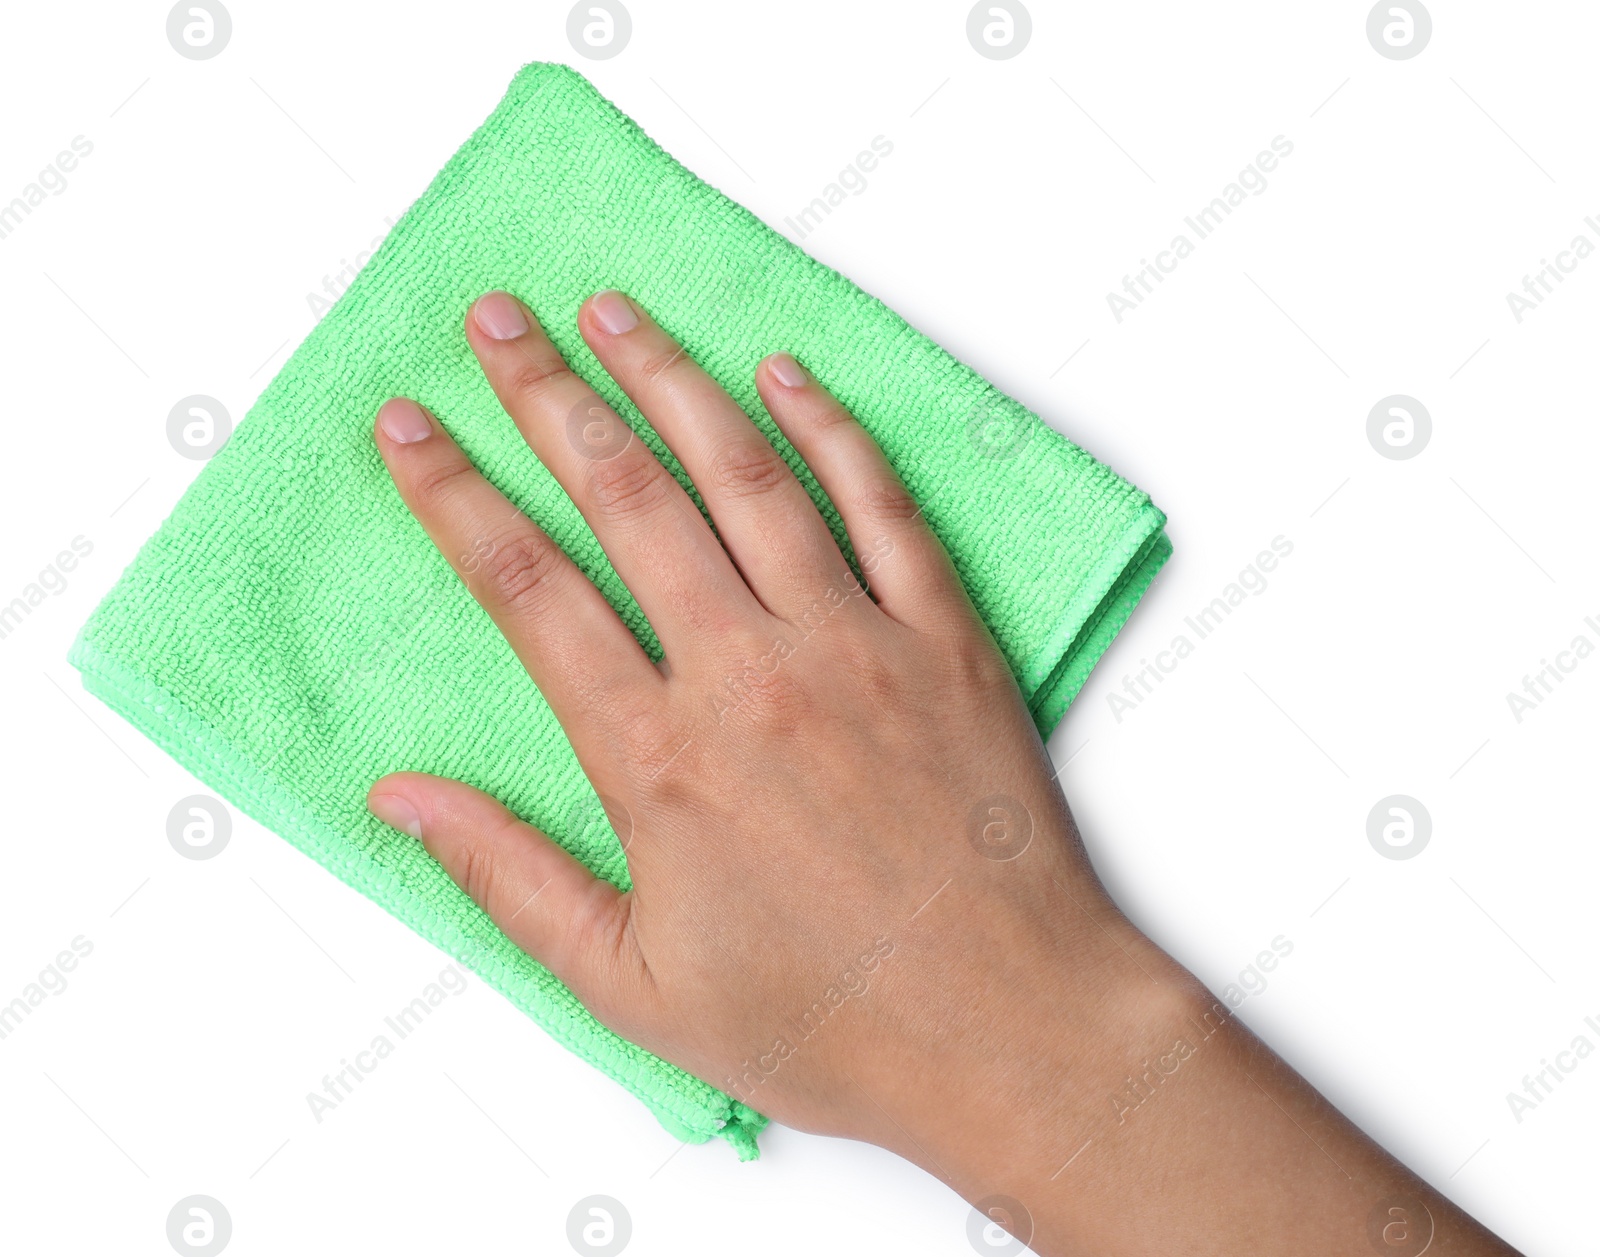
<point x="918" y="953"/>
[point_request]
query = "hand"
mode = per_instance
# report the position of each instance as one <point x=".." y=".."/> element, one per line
<point x="824" y="789"/>
<point x="859" y="903"/>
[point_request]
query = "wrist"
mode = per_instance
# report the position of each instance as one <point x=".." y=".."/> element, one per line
<point x="1064" y="1067"/>
<point x="1126" y="1104"/>
<point x="1027" y="1049"/>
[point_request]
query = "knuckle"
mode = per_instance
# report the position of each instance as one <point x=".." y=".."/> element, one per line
<point x="662" y="361"/>
<point x="612" y="985"/>
<point x="831" y="415"/>
<point x="651" y="742"/>
<point x="625" y="487"/>
<point x="780" y="705"/>
<point x="436" y="484"/>
<point x="885" y="498"/>
<point x="747" y="469"/>
<point x="833" y="598"/>
<point x="518" y="570"/>
<point x="474" y="872"/>
<point x="872" y="675"/>
<point x="532" y="376"/>
<point x="764" y="692"/>
<point x="594" y="917"/>
<point x="974" y="666"/>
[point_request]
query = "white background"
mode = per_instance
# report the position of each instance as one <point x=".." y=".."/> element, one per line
<point x="1228" y="808"/>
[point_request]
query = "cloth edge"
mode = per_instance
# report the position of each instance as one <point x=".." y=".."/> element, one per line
<point x="1101" y="606"/>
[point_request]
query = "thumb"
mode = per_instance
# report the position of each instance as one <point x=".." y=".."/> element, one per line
<point x="543" y="900"/>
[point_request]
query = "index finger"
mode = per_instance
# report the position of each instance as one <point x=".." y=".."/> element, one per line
<point x="587" y="664"/>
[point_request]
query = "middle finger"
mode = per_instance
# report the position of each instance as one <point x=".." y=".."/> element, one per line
<point x="765" y="518"/>
<point x="655" y="537"/>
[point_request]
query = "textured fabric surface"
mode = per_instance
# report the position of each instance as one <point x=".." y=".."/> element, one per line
<point x="290" y="634"/>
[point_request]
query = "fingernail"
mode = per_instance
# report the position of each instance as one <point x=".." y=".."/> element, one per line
<point x="787" y="371"/>
<point x="392" y="810"/>
<point x="499" y="316"/>
<point x="614" y="312"/>
<point x="402" y="420"/>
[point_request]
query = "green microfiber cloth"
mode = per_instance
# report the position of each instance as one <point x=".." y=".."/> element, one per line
<point x="290" y="634"/>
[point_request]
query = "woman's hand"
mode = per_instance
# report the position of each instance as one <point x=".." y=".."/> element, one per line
<point x="844" y="834"/>
<point x="859" y="903"/>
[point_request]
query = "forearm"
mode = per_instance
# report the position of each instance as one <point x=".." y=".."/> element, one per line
<point x="1164" y="1125"/>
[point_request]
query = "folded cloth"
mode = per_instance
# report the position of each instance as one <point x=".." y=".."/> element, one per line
<point x="290" y="634"/>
